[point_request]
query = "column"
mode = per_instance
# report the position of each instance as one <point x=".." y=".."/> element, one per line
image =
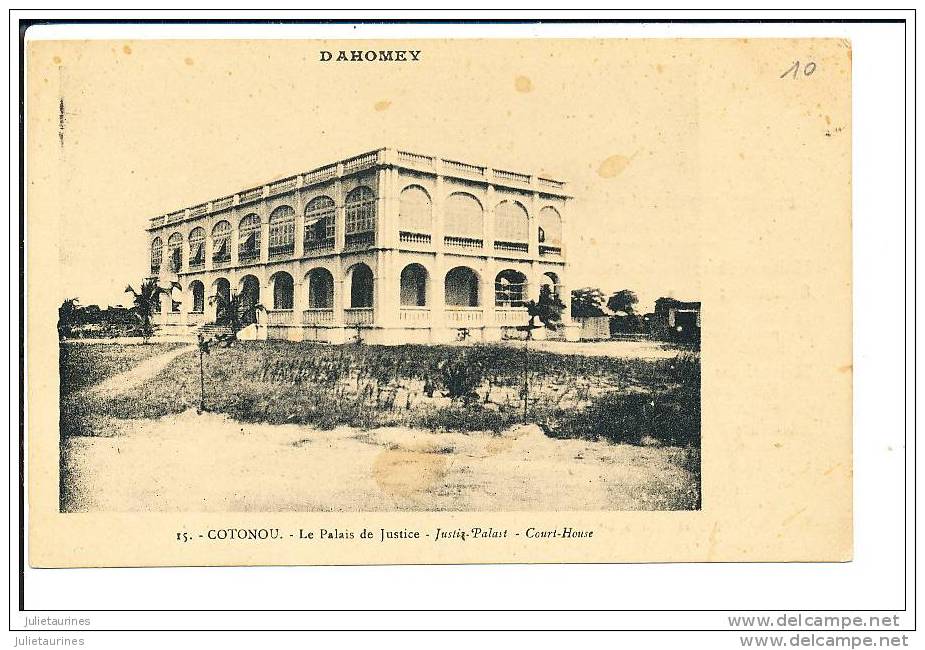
<point x="298" y="205"/>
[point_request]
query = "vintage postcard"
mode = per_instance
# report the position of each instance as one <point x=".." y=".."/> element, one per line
<point x="438" y="301"/>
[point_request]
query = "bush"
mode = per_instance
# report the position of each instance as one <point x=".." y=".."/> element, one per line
<point x="461" y="376"/>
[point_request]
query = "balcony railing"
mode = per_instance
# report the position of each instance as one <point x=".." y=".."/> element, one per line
<point x="413" y="237"/>
<point x="462" y="242"/>
<point x="248" y="254"/>
<point x="320" y="175"/>
<point x="358" y="316"/>
<point x="222" y="203"/>
<point x="359" y="240"/>
<point x="361" y="162"/>
<point x="319" y="245"/>
<point x="221" y="260"/>
<point x="517" y="246"/>
<point x="550" y="250"/>
<point x="463" y="316"/>
<point x="174" y="217"/>
<point x="511" y="176"/>
<point x="464" y="168"/>
<point x="197" y="263"/>
<point x="250" y="195"/>
<point x="414" y="316"/>
<point x="279" y="317"/>
<point x="282" y="250"/>
<point x="318" y="316"/>
<point x="511" y="316"/>
<point x="416" y="159"/>
<point x="549" y="182"/>
<point x="285" y="185"/>
<point x="199" y="210"/>
<point x="195" y="318"/>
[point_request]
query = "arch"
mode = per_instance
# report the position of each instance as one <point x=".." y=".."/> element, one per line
<point x="360" y="210"/>
<point x="249" y="237"/>
<point x="413" y="286"/>
<point x="510" y="288"/>
<point x="461" y="287"/>
<point x="415" y="209"/>
<point x="197" y="247"/>
<point x="361" y="286"/>
<point x="221" y="242"/>
<point x="250" y="298"/>
<point x="550" y="226"/>
<point x="157" y="253"/>
<point x="319" y="222"/>
<point x="463" y="213"/>
<point x="198" y="291"/>
<point x="320" y="289"/>
<point x="219" y="298"/>
<point x="282" y="230"/>
<point x="282" y="290"/>
<point x="550" y="280"/>
<point x="175" y="248"/>
<point x="512" y="222"/>
<point x="176" y="298"/>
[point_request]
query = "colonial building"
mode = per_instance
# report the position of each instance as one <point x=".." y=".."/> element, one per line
<point x="390" y="246"/>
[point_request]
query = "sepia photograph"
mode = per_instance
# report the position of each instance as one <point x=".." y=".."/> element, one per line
<point x="396" y="329"/>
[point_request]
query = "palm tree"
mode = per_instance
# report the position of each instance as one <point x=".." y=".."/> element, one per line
<point x="147" y="301"/>
<point x="548" y="310"/>
<point x="235" y="310"/>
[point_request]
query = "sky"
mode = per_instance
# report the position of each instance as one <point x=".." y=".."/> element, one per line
<point x="154" y="126"/>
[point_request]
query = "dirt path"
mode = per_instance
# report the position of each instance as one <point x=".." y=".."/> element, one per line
<point x="143" y="371"/>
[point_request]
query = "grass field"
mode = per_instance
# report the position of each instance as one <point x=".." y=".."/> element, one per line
<point x="315" y="403"/>
<point x="87" y="364"/>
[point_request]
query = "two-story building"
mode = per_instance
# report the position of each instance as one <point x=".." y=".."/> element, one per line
<point x="391" y="246"/>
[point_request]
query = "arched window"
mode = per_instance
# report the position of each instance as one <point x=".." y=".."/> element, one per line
<point x="461" y="287"/>
<point x="319" y="223"/>
<point x="175" y="248"/>
<point x="249" y="238"/>
<point x="414" y="209"/>
<point x="282" y="231"/>
<point x="221" y="244"/>
<point x="282" y="290"/>
<point x="360" y="215"/>
<point x="550" y="283"/>
<point x="361" y="286"/>
<point x="511" y="222"/>
<point x="221" y="297"/>
<point x="157" y="252"/>
<point x="197" y="248"/>
<point x="176" y="298"/>
<point x="550" y="227"/>
<point x="510" y="288"/>
<point x="320" y="289"/>
<point x="198" y="290"/>
<point x="250" y="298"/>
<point x="463" y="216"/>
<point x="413" y="286"/>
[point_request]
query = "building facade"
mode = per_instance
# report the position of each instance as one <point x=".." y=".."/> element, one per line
<point x="389" y="246"/>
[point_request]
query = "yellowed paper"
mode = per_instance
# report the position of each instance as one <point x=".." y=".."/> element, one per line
<point x="710" y="172"/>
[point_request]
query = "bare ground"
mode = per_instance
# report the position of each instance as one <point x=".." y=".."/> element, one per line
<point x="207" y="462"/>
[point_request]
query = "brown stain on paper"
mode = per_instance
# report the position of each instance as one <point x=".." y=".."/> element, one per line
<point x="614" y="166"/>
<point x="127" y="49"/>
<point x="188" y="61"/>
<point x="403" y="473"/>
<point x="523" y="84"/>
<point x="382" y="106"/>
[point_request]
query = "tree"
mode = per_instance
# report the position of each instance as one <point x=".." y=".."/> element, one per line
<point x="147" y="301"/>
<point x="548" y="310"/>
<point x="623" y="300"/>
<point x="236" y="311"/>
<point x="68" y="317"/>
<point x="587" y="302"/>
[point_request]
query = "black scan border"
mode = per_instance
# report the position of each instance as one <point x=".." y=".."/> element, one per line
<point x="25" y="23"/>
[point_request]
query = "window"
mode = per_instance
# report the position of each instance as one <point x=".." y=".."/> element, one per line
<point x="197" y="247"/>
<point x="510" y="288"/>
<point x="413" y="286"/>
<point x="249" y="237"/>
<point x="461" y="287"/>
<point x="199" y="296"/>
<point x="360" y="211"/>
<point x="282" y="291"/>
<point x="511" y="222"/>
<point x="550" y="226"/>
<point x="414" y="209"/>
<point x="282" y="231"/>
<point x="175" y="246"/>
<point x="221" y="245"/>
<point x="157" y="252"/>
<point x="463" y="216"/>
<point x="320" y="289"/>
<point x="319" y="223"/>
<point x="361" y="287"/>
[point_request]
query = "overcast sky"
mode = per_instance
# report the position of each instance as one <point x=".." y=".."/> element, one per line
<point x="153" y="126"/>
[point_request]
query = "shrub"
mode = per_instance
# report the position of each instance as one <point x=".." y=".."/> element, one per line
<point x="461" y="376"/>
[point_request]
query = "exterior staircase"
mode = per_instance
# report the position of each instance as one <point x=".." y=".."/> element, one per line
<point x="213" y="331"/>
